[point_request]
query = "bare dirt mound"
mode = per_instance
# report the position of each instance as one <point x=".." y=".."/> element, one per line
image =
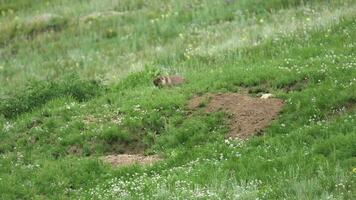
<point x="249" y="115"/>
<point x="130" y="159"/>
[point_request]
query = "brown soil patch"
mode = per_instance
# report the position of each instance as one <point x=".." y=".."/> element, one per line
<point x="249" y="115"/>
<point x="127" y="159"/>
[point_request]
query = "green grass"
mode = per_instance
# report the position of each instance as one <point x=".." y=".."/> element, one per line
<point x="79" y="86"/>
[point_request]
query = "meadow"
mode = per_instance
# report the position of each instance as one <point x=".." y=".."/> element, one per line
<point x="76" y="84"/>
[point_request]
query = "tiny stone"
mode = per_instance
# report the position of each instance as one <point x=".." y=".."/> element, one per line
<point x="266" y="96"/>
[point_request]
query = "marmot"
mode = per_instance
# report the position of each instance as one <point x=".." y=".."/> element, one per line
<point x="168" y="81"/>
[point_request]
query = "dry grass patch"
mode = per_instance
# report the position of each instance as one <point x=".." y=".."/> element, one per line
<point x="130" y="159"/>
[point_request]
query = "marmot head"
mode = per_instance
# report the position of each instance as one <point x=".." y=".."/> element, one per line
<point x="157" y="81"/>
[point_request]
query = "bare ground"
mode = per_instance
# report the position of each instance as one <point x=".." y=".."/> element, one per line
<point x="249" y="115"/>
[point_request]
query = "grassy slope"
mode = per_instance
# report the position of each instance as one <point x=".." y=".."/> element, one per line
<point x="53" y="130"/>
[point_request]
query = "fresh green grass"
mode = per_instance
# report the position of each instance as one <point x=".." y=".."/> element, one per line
<point x="78" y="85"/>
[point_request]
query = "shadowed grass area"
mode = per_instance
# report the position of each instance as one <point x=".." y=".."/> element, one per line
<point x="54" y="128"/>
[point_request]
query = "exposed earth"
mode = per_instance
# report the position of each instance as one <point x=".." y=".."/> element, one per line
<point x="249" y="115"/>
<point x="127" y="159"/>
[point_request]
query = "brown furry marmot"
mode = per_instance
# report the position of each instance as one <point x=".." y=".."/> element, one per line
<point x="168" y="81"/>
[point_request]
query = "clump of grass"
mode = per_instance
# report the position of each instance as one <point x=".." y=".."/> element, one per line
<point x="37" y="93"/>
<point x="191" y="132"/>
<point x="128" y="5"/>
<point x="43" y="23"/>
<point x="30" y="28"/>
<point x="205" y="101"/>
<point x="110" y="33"/>
<point x="114" y="134"/>
<point x="12" y="6"/>
<point x="141" y="78"/>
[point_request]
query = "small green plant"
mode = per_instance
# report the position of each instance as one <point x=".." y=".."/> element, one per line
<point x="110" y="33"/>
<point x="114" y="135"/>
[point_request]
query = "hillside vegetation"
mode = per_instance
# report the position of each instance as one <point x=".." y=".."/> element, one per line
<point x="76" y="85"/>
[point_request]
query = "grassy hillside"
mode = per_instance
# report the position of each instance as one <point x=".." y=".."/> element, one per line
<point x="76" y="84"/>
